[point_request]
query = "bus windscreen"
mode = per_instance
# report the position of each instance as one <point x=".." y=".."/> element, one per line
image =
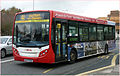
<point x="32" y="29"/>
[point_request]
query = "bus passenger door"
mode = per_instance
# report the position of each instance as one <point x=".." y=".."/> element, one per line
<point x="64" y="39"/>
<point x="61" y="41"/>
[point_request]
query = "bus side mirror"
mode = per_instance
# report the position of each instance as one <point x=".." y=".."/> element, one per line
<point x="58" y="25"/>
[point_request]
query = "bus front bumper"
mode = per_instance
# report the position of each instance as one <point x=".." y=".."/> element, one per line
<point x="44" y="59"/>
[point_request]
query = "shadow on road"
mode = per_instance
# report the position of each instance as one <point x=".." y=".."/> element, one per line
<point x="56" y="65"/>
<point x="7" y="56"/>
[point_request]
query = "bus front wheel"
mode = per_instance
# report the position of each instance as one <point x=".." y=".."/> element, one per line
<point x="72" y="56"/>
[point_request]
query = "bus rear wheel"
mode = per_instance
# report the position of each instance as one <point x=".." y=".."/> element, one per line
<point x="72" y="56"/>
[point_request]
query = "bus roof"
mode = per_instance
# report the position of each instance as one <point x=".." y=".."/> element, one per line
<point x="68" y="16"/>
<point x="80" y="18"/>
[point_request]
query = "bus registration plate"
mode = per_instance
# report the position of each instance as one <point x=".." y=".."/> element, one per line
<point x="28" y="60"/>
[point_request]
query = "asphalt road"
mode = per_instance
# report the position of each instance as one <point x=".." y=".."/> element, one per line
<point x="11" y="67"/>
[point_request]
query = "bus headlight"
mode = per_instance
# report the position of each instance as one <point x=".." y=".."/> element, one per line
<point x="15" y="51"/>
<point x="46" y="51"/>
<point x="42" y="53"/>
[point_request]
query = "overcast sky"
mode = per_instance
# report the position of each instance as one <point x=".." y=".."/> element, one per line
<point x="89" y="8"/>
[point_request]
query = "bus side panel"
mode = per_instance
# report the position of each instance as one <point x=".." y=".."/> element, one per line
<point x="50" y="58"/>
<point x="90" y="48"/>
<point x="78" y="47"/>
<point x="101" y="46"/>
<point x="87" y="48"/>
<point x="111" y="44"/>
<point x="52" y="53"/>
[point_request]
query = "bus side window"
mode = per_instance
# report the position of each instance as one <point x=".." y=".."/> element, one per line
<point x="100" y="32"/>
<point x="105" y="32"/>
<point x="73" y="28"/>
<point x="111" y="34"/>
<point x="92" y="32"/>
<point x="83" y="32"/>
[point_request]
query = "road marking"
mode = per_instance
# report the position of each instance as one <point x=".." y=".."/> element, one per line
<point x="103" y="57"/>
<point x="114" y="59"/>
<point x="99" y="56"/>
<point x="48" y="70"/>
<point x="107" y="57"/>
<point x="7" y="61"/>
<point x="113" y="62"/>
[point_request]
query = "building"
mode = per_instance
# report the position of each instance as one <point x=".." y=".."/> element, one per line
<point x="103" y="18"/>
<point x="113" y="16"/>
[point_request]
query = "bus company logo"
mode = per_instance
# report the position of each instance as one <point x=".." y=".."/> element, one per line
<point x="63" y="15"/>
<point x="28" y="50"/>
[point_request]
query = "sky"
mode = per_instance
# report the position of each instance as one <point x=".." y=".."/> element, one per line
<point x="88" y="8"/>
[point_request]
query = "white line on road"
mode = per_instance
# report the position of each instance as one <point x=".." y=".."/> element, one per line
<point x="6" y="61"/>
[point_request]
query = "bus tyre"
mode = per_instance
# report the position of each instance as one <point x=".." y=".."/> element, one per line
<point x="106" y="49"/>
<point x="72" y="56"/>
<point x="3" y="53"/>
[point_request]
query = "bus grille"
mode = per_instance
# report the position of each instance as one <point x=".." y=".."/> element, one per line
<point x="29" y="54"/>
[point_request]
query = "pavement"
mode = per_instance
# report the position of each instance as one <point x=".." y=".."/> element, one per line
<point x="108" y="71"/>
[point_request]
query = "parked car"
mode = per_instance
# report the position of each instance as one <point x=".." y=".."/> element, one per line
<point x="5" y="45"/>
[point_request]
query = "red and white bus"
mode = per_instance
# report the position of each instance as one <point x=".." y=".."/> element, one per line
<point x="47" y="36"/>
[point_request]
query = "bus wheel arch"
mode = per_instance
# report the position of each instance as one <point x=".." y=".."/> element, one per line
<point x="73" y="55"/>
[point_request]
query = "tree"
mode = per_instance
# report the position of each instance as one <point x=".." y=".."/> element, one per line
<point x="7" y="19"/>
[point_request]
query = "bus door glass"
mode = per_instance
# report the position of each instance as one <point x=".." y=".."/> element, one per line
<point x="64" y="38"/>
<point x="61" y="40"/>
